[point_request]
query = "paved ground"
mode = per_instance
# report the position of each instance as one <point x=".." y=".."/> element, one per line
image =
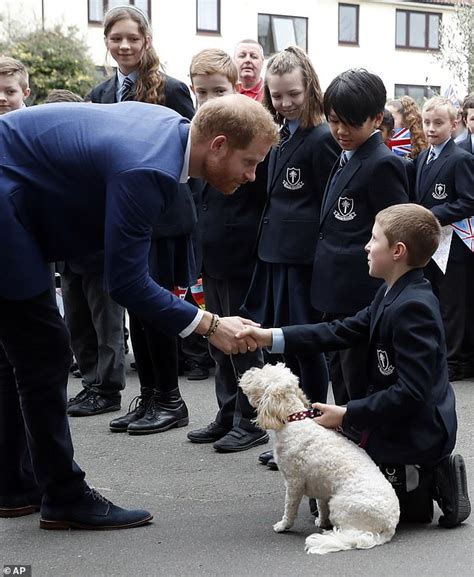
<point x="214" y="512"/>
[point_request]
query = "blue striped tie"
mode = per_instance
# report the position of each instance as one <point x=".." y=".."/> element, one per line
<point x="126" y="89"/>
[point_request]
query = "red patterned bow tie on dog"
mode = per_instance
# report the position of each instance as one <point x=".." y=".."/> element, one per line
<point x="300" y="415"/>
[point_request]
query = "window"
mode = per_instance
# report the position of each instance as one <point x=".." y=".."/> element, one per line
<point x="417" y="92"/>
<point x="97" y="8"/>
<point x="208" y="16"/>
<point x="417" y="30"/>
<point x="348" y="24"/>
<point x="276" y="33"/>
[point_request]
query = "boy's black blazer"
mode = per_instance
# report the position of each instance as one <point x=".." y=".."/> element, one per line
<point x="228" y="227"/>
<point x="373" y="179"/>
<point x="449" y="190"/>
<point x="409" y="410"/>
<point x="296" y="183"/>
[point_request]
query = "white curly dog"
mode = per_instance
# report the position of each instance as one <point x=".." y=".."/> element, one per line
<point x="352" y="494"/>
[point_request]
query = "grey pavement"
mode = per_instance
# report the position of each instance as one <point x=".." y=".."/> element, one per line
<point x="214" y="512"/>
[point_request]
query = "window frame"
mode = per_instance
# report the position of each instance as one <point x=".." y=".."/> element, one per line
<point x="428" y="91"/>
<point x="408" y="14"/>
<point x="205" y="31"/>
<point x="105" y="7"/>
<point x="271" y="28"/>
<point x="348" y="42"/>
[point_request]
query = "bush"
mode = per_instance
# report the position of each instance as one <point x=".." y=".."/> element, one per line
<point x="55" y="59"/>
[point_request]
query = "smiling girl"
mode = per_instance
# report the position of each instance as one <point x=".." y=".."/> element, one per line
<point x="128" y="39"/>
<point x="298" y="171"/>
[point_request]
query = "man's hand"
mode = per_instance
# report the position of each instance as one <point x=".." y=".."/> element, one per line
<point x="255" y="337"/>
<point x="224" y="337"/>
<point x="332" y="415"/>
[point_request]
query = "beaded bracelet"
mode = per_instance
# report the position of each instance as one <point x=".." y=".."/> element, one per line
<point x="213" y="326"/>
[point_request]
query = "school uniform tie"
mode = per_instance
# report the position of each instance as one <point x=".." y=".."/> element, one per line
<point x="431" y="155"/>
<point x="126" y="89"/>
<point x="285" y="136"/>
<point x="426" y="169"/>
<point x="342" y="163"/>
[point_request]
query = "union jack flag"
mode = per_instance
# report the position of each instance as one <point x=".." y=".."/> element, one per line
<point x="400" y="142"/>
<point x="465" y="230"/>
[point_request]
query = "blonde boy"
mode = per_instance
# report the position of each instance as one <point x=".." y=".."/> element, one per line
<point x="228" y="230"/>
<point x="445" y="185"/>
<point x="14" y="89"/>
<point x="213" y="74"/>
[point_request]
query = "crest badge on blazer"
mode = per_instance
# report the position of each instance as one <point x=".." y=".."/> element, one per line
<point x="345" y="208"/>
<point x="293" y="179"/>
<point x="384" y="363"/>
<point x="439" y="191"/>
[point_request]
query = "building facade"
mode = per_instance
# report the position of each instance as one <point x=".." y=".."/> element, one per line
<point x="396" y="39"/>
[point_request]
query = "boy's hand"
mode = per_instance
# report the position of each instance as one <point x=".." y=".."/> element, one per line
<point x="255" y="337"/>
<point x="331" y="417"/>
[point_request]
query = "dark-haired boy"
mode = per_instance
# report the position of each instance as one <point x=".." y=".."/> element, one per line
<point x="367" y="178"/>
<point x="406" y="418"/>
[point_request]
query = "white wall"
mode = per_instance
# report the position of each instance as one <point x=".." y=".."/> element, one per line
<point x="176" y="41"/>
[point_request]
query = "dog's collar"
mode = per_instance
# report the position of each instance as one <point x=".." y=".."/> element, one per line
<point x="300" y="415"/>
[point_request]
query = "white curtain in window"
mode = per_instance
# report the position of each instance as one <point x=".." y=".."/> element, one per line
<point x="207" y="15"/>
<point x="143" y="5"/>
<point x="283" y="32"/>
<point x="96" y="10"/>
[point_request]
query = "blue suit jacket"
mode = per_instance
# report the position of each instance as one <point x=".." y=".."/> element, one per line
<point x="409" y="410"/>
<point x="75" y="178"/>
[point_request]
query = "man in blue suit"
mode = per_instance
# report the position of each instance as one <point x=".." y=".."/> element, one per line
<point x="114" y="167"/>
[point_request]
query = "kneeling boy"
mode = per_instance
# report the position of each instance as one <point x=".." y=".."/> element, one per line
<point x="407" y="422"/>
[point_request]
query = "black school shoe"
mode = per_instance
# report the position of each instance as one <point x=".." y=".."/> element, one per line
<point x="238" y="439"/>
<point x="160" y="415"/>
<point x="94" y="404"/>
<point x="139" y="404"/>
<point x="451" y="491"/>
<point x="208" y="434"/>
<point x="91" y="511"/>
<point x="265" y="457"/>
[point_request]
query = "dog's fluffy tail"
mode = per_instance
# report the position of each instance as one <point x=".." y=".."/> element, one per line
<point x="343" y="539"/>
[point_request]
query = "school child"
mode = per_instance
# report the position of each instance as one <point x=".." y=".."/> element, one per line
<point x="159" y="407"/>
<point x="228" y="227"/>
<point x="367" y="178"/>
<point x="14" y="88"/>
<point x="406" y="114"/>
<point x="387" y="125"/>
<point x="406" y="418"/>
<point x="445" y="185"/>
<point x="468" y="118"/>
<point x="298" y="171"/>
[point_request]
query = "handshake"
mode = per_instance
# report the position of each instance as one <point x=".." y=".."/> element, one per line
<point x="233" y="335"/>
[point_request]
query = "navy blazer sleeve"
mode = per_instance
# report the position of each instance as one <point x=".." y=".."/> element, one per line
<point x="331" y="336"/>
<point x="135" y="200"/>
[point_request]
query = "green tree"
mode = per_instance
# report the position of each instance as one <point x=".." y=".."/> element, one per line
<point x="55" y="58"/>
<point x="457" y="44"/>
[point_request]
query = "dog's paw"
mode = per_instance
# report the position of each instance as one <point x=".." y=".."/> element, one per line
<point x="281" y="526"/>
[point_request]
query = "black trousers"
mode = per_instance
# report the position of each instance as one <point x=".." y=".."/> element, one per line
<point x="454" y="295"/>
<point x="156" y="356"/>
<point x="35" y="441"/>
<point x="224" y="297"/>
<point x="348" y="369"/>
